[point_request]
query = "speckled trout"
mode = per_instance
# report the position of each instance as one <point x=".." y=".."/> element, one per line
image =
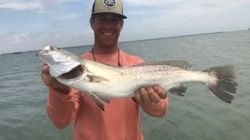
<point x="103" y="82"/>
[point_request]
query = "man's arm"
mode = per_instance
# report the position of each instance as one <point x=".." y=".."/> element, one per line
<point x="153" y="100"/>
<point x="63" y="102"/>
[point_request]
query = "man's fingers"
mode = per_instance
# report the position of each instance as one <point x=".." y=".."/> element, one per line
<point x="144" y="96"/>
<point x="49" y="81"/>
<point x="45" y="69"/>
<point x="149" y="95"/>
<point x="141" y="96"/>
<point x="161" y="92"/>
<point x="46" y="77"/>
<point x="138" y="97"/>
<point x="153" y="96"/>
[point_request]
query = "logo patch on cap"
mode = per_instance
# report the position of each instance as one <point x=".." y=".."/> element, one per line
<point x="109" y="3"/>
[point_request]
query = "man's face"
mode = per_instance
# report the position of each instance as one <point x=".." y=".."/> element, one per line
<point x="107" y="28"/>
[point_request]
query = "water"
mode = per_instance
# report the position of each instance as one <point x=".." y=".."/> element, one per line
<point x="198" y="115"/>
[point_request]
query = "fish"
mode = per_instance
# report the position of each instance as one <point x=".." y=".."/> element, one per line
<point x="103" y="82"/>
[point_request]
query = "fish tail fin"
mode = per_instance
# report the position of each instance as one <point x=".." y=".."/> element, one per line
<point x="226" y="84"/>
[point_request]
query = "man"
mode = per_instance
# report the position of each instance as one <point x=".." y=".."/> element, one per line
<point x="121" y="118"/>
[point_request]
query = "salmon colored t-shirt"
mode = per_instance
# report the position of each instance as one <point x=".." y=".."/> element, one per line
<point x="119" y="121"/>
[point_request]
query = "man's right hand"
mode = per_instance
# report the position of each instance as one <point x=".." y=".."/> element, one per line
<point x="51" y="82"/>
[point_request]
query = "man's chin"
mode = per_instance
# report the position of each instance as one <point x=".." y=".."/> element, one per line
<point x="109" y="42"/>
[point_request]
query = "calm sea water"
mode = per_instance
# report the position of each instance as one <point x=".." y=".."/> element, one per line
<point x="199" y="115"/>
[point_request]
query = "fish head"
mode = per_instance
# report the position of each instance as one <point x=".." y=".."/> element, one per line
<point x="60" y="61"/>
<point x="49" y="55"/>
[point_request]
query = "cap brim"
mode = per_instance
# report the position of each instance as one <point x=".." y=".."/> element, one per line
<point x="120" y="15"/>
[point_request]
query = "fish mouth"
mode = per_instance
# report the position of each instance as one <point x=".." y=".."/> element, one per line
<point x="46" y="50"/>
<point x="74" y="73"/>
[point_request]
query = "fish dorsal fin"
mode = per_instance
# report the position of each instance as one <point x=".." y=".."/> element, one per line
<point x="175" y="63"/>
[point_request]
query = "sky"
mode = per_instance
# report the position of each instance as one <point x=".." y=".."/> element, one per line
<point x="31" y="24"/>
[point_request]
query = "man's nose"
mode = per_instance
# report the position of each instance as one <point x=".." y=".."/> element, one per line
<point x="108" y="22"/>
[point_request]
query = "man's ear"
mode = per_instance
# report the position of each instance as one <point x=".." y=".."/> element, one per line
<point x="91" y="22"/>
<point x="122" y="23"/>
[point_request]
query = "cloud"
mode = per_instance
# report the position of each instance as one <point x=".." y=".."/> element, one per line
<point x="149" y="2"/>
<point x="164" y="3"/>
<point x="37" y="5"/>
<point x="186" y="8"/>
<point x="20" y="5"/>
<point x="186" y="17"/>
<point x="48" y="3"/>
<point x="182" y="5"/>
<point x="63" y="22"/>
<point x="37" y="39"/>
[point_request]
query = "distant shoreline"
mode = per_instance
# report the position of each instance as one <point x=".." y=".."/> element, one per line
<point x="136" y="40"/>
<point x="17" y="52"/>
<point x="173" y="36"/>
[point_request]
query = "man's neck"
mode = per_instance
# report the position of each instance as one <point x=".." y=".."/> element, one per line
<point x="105" y="49"/>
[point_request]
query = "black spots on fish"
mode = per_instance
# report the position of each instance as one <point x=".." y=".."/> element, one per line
<point x="74" y="73"/>
<point x="175" y="63"/>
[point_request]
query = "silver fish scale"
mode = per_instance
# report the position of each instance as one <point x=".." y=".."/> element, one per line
<point x="156" y="74"/>
<point x="149" y="70"/>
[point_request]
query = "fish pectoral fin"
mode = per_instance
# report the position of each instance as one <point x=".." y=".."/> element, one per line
<point x="97" y="100"/>
<point x="95" y="79"/>
<point x="104" y="98"/>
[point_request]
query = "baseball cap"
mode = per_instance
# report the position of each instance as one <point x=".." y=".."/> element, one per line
<point x="108" y="6"/>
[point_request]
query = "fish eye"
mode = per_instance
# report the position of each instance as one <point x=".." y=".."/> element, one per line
<point x="48" y="48"/>
<point x="52" y="48"/>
